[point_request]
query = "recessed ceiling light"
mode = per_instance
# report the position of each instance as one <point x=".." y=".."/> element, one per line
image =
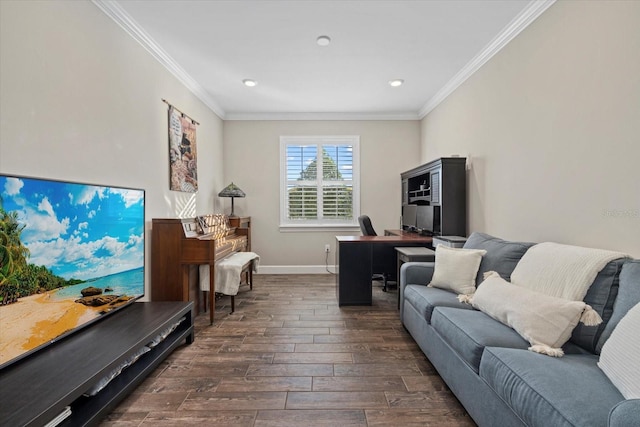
<point x="396" y="82"/>
<point x="323" y="40"/>
<point x="249" y="82"/>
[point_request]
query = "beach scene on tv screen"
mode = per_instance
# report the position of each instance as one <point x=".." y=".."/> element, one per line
<point x="69" y="253"/>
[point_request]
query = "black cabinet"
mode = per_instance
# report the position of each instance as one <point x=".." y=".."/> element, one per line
<point x="359" y="257"/>
<point x="437" y="192"/>
<point x="354" y="259"/>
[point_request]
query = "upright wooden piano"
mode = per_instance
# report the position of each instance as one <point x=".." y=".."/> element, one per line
<point x="177" y="244"/>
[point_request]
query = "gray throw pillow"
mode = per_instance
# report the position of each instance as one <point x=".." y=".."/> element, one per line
<point x="601" y="296"/>
<point x="501" y="257"/>
<point x="628" y="295"/>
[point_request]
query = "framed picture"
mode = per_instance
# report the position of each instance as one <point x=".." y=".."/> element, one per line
<point x="182" y="152"/>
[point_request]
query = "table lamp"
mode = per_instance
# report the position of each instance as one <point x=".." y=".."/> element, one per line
<point x="232" y="191"/>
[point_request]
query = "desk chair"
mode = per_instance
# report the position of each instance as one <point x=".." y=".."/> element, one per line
<point x="365" y="226"/>
<point x="367" y="230"/>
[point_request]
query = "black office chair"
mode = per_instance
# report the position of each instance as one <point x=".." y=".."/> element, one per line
<point x="367" y="230"/>
<point x="365" y="226"/>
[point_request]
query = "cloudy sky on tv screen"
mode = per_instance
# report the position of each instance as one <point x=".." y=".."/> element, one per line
<point x="77" y="231"/>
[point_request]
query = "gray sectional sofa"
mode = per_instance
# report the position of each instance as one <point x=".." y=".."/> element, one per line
<point x="487" y="365"/>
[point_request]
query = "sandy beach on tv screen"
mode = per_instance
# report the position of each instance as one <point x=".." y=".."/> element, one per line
<point x="34" y="320"/>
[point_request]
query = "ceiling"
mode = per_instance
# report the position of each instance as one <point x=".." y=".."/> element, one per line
<point x="433" y="45"/>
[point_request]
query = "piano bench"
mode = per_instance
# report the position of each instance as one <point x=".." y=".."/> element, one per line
<point x="246" y="271"/>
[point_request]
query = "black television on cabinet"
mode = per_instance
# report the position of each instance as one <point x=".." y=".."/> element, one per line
<point x="70" y="253"/>
<point x="409" y="217"/>
<point x="428" y="219"/>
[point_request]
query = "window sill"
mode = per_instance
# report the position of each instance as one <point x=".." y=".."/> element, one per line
<point x="303" y="228"/>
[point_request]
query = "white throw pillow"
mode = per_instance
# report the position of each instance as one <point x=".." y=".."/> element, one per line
<point x="545" y="321"/>
<point x="620" y="356"/>
<point x="456" y="269"/>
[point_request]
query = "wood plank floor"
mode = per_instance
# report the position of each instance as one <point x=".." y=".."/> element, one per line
<point x="289" y="356"/>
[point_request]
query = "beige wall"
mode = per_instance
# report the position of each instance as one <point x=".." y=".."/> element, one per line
<point x="552" y="127"/>
<point x="251" y="157"/>
<point x="80" y="100"/>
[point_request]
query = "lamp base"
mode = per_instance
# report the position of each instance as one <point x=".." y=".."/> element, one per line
<point x="232" y="215"/>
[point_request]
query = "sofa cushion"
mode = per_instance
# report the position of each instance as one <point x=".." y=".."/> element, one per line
<point x="544" y="391"/>
<point x="620" y="356"/>
<point x="601" y="296"/>
<point x="502" y="255"/>
<point x="545" y="321"/>
<point x="469" y="332"/>
<point x="625" y="413"/>
<point x="628" y="295"/>
<point x="456" y="269"/>
<point x="425" y="299"/>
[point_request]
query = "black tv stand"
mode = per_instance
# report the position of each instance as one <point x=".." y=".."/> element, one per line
<point x="36" y="389"/>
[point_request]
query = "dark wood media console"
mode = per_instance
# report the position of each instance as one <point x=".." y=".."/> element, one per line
<point x="37" y="388"/>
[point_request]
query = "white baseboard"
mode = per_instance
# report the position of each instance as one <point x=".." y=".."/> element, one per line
<point x="295" y="269"/>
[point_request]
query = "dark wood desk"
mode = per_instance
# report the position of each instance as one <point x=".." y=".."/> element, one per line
<point x="405" y="234"/>
<point x="356" y="257"/>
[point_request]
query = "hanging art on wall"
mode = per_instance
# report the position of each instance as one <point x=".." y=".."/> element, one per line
<point x="182" y="151"/>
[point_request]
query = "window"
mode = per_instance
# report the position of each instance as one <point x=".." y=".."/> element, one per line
<point x="319" y="181"/>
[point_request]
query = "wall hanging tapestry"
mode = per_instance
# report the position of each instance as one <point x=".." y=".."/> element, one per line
<point x="182" y="151"/>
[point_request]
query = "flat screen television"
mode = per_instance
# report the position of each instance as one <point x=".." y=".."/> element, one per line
<point x="70" y="253"/>
<point x="409" y="217"/>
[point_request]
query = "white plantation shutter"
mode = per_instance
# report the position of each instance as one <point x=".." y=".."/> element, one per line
<point x="301" y="184"/>
<point x="319" y="181"/>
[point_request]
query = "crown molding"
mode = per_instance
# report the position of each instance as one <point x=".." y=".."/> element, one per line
<point x="515" y="27"/>
<point x="322" y="116"/>
<point x="113" y="10"/>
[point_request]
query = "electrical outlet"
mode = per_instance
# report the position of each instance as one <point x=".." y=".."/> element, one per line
<point x="327" y="248"/>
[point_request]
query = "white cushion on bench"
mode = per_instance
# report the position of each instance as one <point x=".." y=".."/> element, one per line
<point x="228" y="271"/>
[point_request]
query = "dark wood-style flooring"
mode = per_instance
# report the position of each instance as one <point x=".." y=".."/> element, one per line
<point x="289" y="356"/>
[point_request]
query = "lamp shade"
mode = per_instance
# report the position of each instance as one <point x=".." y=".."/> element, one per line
<point x="231" y="190"/>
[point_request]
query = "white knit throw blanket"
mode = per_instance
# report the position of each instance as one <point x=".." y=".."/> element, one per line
<point x="562" y="271"/>
<point x="228" y="272"/>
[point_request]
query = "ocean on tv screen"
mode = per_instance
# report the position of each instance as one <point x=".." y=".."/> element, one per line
<point x="70" y="253"/>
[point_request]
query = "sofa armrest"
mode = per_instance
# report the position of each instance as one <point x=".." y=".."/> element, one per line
<point x="625" y="414"/>
<point x="415" y="273"/>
